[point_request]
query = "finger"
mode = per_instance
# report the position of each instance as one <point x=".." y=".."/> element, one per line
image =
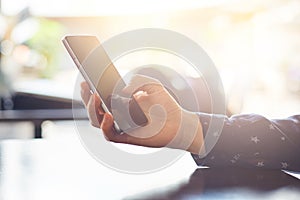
<point x="94" y="111"/>
<point x="85" y="92"/>
<point x="98" y="103"/>
<point x="110" y="134"/>
<point x="86" y="95"/>
<point x="138" y="82"/>
<point x="107" y="127"/>
<point x="109" y="131"/>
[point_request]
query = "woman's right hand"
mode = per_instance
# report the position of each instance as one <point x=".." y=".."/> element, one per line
<point x="168" y="124"/>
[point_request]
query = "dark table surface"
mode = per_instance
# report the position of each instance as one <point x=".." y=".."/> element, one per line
<point x="62" y="169"/>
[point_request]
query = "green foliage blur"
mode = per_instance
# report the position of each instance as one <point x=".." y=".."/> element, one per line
<point x="46" y="41"/>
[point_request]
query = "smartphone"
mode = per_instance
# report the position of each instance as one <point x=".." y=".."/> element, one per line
<point x="104" y="79"/>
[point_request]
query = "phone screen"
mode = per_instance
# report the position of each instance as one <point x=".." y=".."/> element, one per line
<point x="96" y="66"/>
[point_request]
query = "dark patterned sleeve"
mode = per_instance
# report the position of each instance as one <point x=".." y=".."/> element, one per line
<point x="254" y="141"/>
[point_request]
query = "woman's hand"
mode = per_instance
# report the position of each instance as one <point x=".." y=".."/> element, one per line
<point x="168" y="124"/>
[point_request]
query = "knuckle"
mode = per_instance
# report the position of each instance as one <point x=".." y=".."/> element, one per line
<point x="109" y="138"/>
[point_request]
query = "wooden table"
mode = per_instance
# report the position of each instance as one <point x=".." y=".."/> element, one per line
<point x="62" y="169"/>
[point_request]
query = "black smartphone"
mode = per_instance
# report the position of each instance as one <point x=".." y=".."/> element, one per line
<point x="104" y="79"/>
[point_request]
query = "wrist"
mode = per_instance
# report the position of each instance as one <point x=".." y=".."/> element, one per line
<point x="197" y="144"/>
<point x="188" y="134"/>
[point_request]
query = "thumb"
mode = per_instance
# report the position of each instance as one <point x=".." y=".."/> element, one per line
<point x="138" y="82"/>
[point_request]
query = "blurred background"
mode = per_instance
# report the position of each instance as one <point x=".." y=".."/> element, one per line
<point x="254" y="44"/>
